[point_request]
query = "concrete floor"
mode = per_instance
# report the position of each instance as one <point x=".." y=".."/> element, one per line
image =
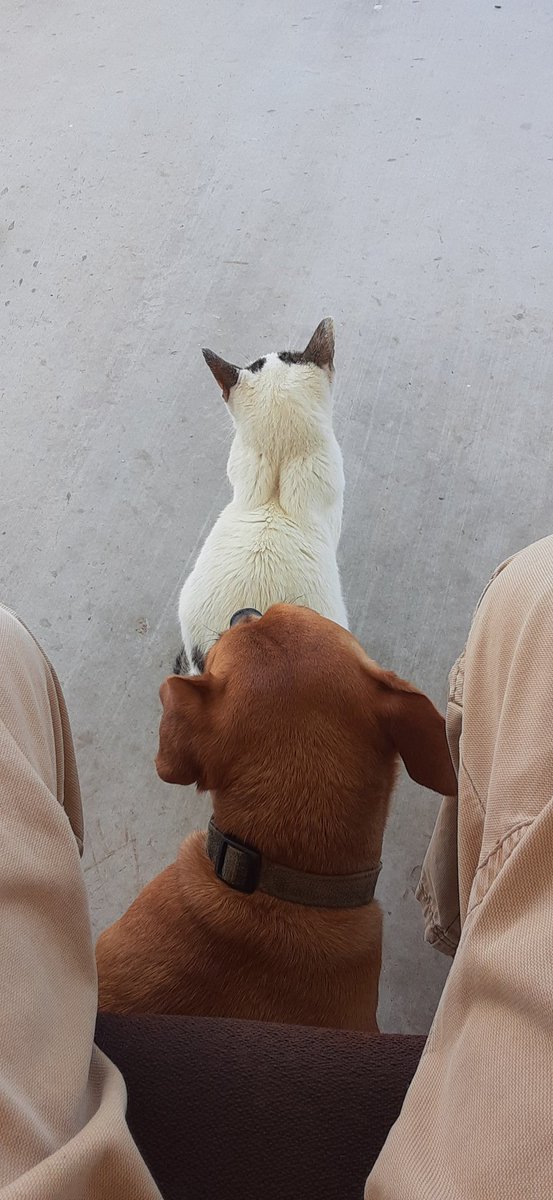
<point x="178" y="174"/>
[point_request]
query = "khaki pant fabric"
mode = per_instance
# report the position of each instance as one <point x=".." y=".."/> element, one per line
<point x="477" y="1120"/>
<point x="63" y="1134"/>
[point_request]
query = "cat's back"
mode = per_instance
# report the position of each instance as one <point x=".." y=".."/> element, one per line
<point x="262" y="543"/>
<point x="256" y="558"/>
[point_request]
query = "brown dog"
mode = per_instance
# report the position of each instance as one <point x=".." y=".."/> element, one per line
<point x="295" y="733"/>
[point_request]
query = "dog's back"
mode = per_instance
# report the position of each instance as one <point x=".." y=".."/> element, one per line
<point x="190" y="946"/>
<point x="277" y="539"/>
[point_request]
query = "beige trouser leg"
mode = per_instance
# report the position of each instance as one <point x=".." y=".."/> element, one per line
<point x="63" y="1134"/>
<point x="478" y="1118"/>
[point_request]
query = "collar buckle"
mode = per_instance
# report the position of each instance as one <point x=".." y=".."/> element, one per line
<point x="237" y="865"/>
<point x="244" y="869"/>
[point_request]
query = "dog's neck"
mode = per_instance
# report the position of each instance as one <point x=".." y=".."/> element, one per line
<point x="313" y="836"/>
<point x="244" y="869"/>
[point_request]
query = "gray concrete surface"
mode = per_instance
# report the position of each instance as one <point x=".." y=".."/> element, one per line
<point x="177" y="174"/>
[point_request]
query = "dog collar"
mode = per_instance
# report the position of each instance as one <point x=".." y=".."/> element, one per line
<point x="244" y="869"/>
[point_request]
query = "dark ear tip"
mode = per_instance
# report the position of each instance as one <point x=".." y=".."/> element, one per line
<point x="320" y="348"/>
<point x="225" y="373"/>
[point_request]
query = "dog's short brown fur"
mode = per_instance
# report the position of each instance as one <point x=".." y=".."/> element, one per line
<point x="295" y="733"/>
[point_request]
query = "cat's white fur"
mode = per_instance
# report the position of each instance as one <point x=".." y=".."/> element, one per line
<point x="277" y="539"/>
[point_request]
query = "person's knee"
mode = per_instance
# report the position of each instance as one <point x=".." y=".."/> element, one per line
<point x="16" y="642"/>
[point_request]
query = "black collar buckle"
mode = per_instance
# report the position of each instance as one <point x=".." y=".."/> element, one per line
<point x="237" y="865"/>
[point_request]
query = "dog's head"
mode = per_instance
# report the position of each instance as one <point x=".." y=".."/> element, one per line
<point x="296" y="733"/>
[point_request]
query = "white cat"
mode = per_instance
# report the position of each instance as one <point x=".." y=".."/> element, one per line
<point x="277" y="539"/>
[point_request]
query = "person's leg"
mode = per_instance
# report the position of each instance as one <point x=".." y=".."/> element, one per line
<point x="477" y="1119"/>
<point x="63" y="1134"/>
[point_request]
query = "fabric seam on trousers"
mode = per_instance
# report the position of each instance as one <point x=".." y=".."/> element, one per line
<point x="492" y="579"/>
<point x="459" y="670"/>
<point x="463" y="767"/>
<point x="434" y="924"/>
<point x="519" y="827"/>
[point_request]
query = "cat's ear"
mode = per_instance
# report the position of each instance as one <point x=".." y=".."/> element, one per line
<point x="320" y="348"/>
<point x="225" y="373"/>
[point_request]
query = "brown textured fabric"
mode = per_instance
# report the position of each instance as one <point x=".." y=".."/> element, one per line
<point x="242" y="868"/>
<point x="250" y="1111"/>
<point x="476" y="1123"/>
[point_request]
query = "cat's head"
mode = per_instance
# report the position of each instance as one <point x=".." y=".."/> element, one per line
<point x="276" y="376"/>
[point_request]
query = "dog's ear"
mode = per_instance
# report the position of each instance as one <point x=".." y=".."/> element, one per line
<point x="225" y="373"/>
<point x="417" y="732"/>
<point x="320" y="348"/>
<point x="184" y="728"/>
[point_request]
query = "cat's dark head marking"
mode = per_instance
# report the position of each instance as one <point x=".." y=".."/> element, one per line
<point x="319" y="352"/>
<point x="257" y="365"/>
